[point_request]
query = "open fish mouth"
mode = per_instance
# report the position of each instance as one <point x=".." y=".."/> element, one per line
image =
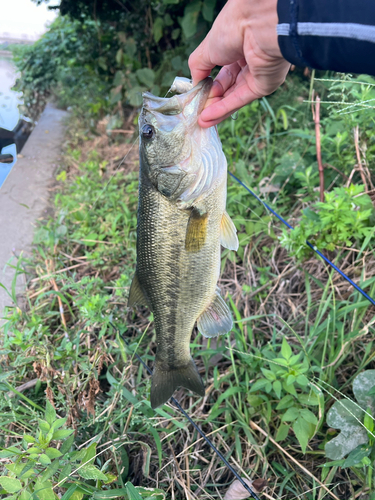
<point x="179" y="103"/>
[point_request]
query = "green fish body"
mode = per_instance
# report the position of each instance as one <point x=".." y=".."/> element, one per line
<point x="181" y="224"/>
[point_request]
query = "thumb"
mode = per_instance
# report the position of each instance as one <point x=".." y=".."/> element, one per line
<point x="200" y="63"/>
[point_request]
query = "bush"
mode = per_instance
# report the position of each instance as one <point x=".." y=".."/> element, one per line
<point x="342" y="219"/>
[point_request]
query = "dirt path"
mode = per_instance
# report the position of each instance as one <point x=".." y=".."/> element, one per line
<point x="24" y="196"/>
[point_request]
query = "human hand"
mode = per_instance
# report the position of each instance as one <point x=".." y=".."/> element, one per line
<point x="243" y="40"/>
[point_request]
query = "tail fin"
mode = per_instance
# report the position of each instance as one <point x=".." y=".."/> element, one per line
<point x="164" y="382"/>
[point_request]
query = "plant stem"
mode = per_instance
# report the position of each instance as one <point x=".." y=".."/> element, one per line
<point x="316" y="118"/>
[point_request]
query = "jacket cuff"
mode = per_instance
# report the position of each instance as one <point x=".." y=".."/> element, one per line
<point x="288" y="39"/>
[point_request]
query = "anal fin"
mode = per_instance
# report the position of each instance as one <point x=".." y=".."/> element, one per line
<point x="216" y="319"/>
<point x="228" y="233"/>
<point x="136" y="296"/>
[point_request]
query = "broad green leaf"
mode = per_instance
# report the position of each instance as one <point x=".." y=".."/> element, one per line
<point x="286" y="350"/>
<point x="146" y="76"/>
<point x="158" y="29"/>
<point x="59" y="423"/>
<point x="135" y="96"/>
<point x="10" y="484"/>
<point x="309" y="416"/>
<point x="16" y="468"/>
<point x="24" y="495"/>
<point x="349" y="438"/>
<point x="208" y="10"/>
<point x="277" y="388"/>
<point x="90" y="454"/>
<point x="65" y="447"/>
<point x="362" y="385"/>
<point x="10" y="452"/>
<point x="355" y="456"/>
<point x="308" y="399"/>
<point x="110" y="478"/>
<point x="259" y="384"/>
<point x="62" y="433"/>
<point x="344" y="412"/>
<point x="268" y="374"/>
<point x="90" y="240"/>
<point x="43" y="425"/>
<point x="44" y="490"/>
<point x="53" y="453"/>
<point x="4" y="376"/>
<point x="65" y="472"/>
<point x="50" y="471"/>
<point x="285" y="402"/>
<point x="27" y="470"/>
<point x="282" y="432"/>
<point x="77" y="494"/>
<point x="290" y="415"/>
<point x="44" y="459"/>
<point x="290" y="389"/>
<point x="50" y="414"/>
<point x="189" y="21"/>
<point x="302" y="380"/>
<point x="91" y="472"/>
<point x="28" y="439"/>
<point x="346" y="416"/>
<point x="301" y="429"/>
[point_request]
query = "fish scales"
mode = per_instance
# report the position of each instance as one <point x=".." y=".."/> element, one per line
<point x="180" y="226"/>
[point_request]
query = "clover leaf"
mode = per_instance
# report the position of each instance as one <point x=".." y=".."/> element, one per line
<point x="348" y="417"/>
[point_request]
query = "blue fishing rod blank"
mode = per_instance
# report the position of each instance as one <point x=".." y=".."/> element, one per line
<point x="308" y="243"/>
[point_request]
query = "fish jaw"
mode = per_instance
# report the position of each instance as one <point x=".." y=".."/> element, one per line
<point x="190" y="104"/>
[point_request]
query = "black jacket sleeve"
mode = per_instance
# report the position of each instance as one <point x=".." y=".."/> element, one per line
<point x="337" y="35"/>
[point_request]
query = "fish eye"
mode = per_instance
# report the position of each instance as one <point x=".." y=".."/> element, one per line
<point x="148" y="131"/>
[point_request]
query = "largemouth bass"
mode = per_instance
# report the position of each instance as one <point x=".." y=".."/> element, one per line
<point x="181" y="223"/>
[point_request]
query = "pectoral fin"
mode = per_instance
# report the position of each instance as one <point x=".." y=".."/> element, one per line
<point x="216" y="319"/>
<point x="136" y="296"/>
<point x="196" y="231"/>
<point x="228" y="233"/>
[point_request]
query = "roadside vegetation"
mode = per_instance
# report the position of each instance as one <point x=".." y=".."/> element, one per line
<point x="290" y="392"/>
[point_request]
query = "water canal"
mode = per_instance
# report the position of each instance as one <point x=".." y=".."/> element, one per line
<point x="12" y="129"/>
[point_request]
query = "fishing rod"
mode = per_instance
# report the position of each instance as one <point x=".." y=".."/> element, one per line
<point x="308" y="243"/>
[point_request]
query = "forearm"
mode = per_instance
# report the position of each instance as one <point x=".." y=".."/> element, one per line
<point x="328" y="34"/>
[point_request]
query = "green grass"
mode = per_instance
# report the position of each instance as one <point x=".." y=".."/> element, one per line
<point x="301" y="336"/>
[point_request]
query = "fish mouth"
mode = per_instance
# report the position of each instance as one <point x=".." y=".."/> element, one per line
<point x="179" y="103"/>
<point x="204" y="87"/>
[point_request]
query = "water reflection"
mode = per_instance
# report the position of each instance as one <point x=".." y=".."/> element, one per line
<point x="9" y="100"/>
<point x="10" y="123"/>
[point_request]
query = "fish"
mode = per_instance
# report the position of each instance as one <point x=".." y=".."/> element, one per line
<point x="181" y="223"/>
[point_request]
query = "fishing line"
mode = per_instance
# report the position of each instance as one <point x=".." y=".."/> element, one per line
<point x="196" y="427"/>
<point x="313" y="247"/>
